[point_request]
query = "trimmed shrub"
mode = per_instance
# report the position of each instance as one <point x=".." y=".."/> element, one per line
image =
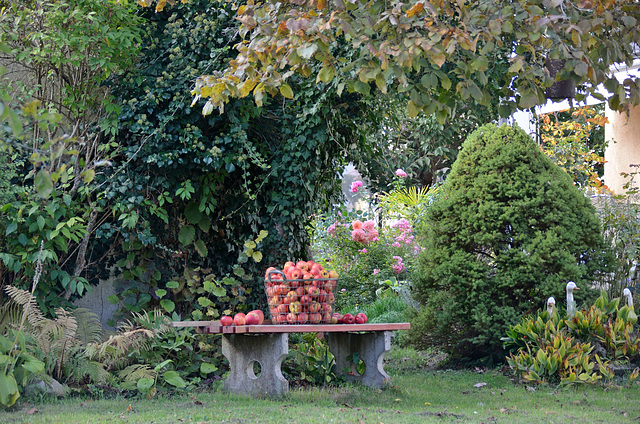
<point x="509" y="230"/>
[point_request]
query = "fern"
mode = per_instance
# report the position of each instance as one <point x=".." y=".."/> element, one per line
<point x="24" y="298"/>
<point x="79" y="367"/>
<point x="136" y="372"/>
<point x="113" y="352"/>
<point x="89" y="329"/>
<point x="10" y="314"/>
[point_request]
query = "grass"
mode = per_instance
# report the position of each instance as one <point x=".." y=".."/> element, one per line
<point x="417" y="394"/>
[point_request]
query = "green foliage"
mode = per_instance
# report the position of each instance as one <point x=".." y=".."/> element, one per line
<point x="310" y="362"/>
<point x="549" y="348"/>
<point x="621" y="230"/>
<point x="16" y="366"/>
<point x="60" y="54"/>
<point x="420" y="145"/>
<point x="439" y="53"/>
<point x="561" y="358"/>
<point x="194" y="189"/>
<point x="576" y="144"/>
<point x="364" y="260"/>
<point x="508" y="230"/>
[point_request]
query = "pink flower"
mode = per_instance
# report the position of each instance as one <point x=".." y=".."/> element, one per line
<point x="400" y="173"/>
<point x="331" y="229"/>
<point x="358" y="235"/>
<point x="372" y="235"/>
<point x="375" y="271"/>
<point x="363" y="251"/>
<point x="368" y="225"/>
<point x="355" y="186"/>
<point x="357" y="224"/>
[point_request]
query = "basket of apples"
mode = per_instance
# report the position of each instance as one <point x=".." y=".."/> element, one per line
<point x="300" y="293"/>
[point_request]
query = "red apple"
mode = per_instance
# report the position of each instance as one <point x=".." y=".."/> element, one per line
<point x="322" y="296"/>
<point x="302" y="265"/>
<point x="292" y="297"/>
<point x="360" y="318"/>
<point x="252" y="319"/>
<point x="291" y="318"/>
<point x="260" y="314"/>
<point x="336" y="318"/>
<point x="226" y="320"/>
<point x="239" y="319"/>
<point x="296" y="274"/>
<point x="326" y="318"/>
<point x="302" y="318"/>
<point x="348" y="319"/>
<point x="315" y="318"/>
<point x="267" y="276"/>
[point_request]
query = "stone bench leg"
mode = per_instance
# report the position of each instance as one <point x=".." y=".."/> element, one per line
<point x="371" y="348"/>
<point x="268" y="350"/>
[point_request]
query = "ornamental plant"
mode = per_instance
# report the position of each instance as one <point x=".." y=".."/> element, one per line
<point x="508" y="230"/>
<point x="368" y="256"/>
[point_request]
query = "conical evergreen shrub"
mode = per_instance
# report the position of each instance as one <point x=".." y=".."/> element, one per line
<point x="509" y="230"/>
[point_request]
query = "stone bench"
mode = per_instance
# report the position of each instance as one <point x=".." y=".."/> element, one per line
<point x="268" y="345"/>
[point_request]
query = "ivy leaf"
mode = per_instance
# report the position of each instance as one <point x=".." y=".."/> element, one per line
<point x="186" y="235"/>
<point x="161" y="292"/>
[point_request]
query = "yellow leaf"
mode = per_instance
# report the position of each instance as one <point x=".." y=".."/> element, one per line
<point x="286" y="91"/>
<point x="160" y="5"/>
<point x="321" y="4"/>
<point x="247" y="87"/>
<point x="412" y="109"/>
<point x="415" y="10"/>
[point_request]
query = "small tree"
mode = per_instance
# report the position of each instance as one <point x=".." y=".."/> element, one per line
<point x="508" y="231"/>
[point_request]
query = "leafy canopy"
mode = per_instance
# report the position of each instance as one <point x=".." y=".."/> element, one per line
<point x="439" y="53"/>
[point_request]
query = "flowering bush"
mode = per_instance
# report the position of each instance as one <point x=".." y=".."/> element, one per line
<point x="365" y="254"/>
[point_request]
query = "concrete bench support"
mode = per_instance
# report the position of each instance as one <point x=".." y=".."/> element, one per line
<point x="370" y="348"/>
<point x="268" y="350"/>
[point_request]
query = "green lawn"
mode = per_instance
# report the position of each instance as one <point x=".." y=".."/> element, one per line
<point x="415" y="396"/>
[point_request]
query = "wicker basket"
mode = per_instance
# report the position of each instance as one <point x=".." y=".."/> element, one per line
<point x="299" y="301"/>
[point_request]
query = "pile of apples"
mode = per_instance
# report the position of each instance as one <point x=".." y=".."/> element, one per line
<point x="359" y="318"/>
<point x="255" y="317"/>
<point x="301" y="293"/>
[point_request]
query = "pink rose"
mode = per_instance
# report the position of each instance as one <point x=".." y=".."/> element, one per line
<point x="358" y="235"/>
<point x="400" y="173"/>
<point x="368" y="225"/>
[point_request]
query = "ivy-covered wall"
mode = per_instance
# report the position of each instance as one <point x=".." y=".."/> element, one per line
<point x="187" y="191"/>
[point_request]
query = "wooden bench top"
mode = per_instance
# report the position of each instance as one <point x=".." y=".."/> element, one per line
<point x="214" y="327"/>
